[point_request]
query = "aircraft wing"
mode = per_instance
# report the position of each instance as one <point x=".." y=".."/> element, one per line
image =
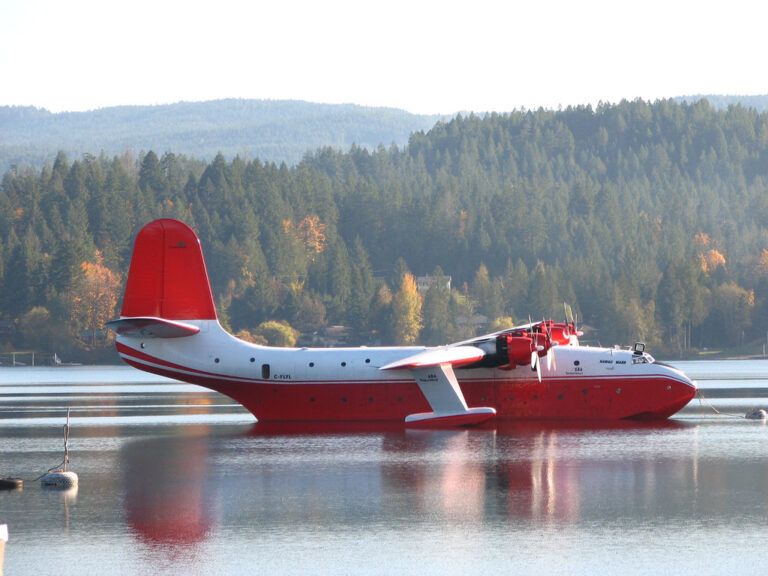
<point x="451" y="355"/>
<point x="493" y="335"/>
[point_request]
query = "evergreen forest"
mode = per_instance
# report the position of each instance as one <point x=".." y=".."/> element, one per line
<point x="649" y="218"/>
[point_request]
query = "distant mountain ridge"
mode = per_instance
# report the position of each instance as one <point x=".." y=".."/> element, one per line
<point x="272" y="130"/>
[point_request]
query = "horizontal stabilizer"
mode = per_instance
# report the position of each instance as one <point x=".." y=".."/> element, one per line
<point x="151" y="327"/>
<point x="455" y="356"/>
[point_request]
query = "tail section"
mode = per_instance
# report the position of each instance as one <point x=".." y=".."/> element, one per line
<point x="167" y="278"/>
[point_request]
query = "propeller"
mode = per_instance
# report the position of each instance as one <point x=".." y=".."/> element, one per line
<point x="551" y="358"/>
<point x="570" y="321"/>
<point x="534" y="342"/>
<point x="541" y="345"/>
<point x="535" y="364"/>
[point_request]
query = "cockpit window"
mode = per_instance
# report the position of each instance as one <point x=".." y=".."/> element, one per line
<point x="643" y="358"/>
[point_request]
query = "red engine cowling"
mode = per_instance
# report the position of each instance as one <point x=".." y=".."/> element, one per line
<point x="560" y="333"/>
<point x="519" y="349"/>
<point x="520" y="346"/>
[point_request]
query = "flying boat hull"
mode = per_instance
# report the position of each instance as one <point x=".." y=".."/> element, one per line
<point x="513" y="396"/>
<point x="168" y="326"/>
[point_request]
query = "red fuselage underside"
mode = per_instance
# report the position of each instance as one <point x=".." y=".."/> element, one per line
<point x="570" y="398"/>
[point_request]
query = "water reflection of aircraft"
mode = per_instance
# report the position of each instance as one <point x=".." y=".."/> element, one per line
<point x="306" y="475"/>
<point x="167" y="497"/>
<point x="518" y="471"/>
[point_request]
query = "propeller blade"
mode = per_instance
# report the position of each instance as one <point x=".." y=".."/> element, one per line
<point x="536" y="365"/>
<point x="550" y="355"/>
<point x="568" y="313"/>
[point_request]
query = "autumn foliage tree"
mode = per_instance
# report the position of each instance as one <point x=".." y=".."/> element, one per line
<point x="310" y="232"/>
<point x="93" y="300"/>
<point x="406" y="311"/>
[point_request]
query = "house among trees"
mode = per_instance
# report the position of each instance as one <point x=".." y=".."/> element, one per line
<point x="424" y="283"/>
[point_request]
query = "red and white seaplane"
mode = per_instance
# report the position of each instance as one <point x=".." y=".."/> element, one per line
<point x="168" y="326"/>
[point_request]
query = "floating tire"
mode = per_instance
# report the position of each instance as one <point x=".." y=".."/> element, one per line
<point x="757" y="414"/>
<point x="59" y="479"/>
<point x="11" y="483"/>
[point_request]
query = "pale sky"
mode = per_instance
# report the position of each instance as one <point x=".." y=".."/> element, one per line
<point x="424" y="57"/>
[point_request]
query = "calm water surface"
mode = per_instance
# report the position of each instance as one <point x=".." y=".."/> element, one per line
<point x="177" y="480"/>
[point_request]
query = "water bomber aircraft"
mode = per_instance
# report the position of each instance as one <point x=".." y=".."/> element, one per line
<point x="537" y="371"/>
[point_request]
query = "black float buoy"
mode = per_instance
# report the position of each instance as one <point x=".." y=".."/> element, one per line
<point x="11" y="483"/>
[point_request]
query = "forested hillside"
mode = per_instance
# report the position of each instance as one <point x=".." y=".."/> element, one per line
<point x="650" y="218"/>
<point x="271" y="130"/>
<point x="721" y="101"/>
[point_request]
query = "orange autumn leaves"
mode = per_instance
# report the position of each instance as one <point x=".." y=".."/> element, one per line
<point x="93" y="299"/>
<point x="310" y="231"/>
<point x="710" y="259"/>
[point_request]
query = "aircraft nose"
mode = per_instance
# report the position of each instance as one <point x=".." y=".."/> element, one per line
<point x="685" y="378"/>
<point x="680" y="390"/>
<point x="680" y="385"/>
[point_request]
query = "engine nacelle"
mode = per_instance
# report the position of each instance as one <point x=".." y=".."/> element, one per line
<point x="519" y="348"/>
<point x="560" y="333"/>
<point x="515" y="348"/>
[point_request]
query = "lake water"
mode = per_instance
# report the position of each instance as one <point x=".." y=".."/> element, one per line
<point x="178" y="480"/>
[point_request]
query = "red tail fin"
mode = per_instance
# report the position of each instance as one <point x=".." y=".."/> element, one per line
<point x="167" y="278"/>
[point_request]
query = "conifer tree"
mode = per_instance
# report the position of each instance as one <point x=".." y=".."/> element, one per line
<point x="439" y="324"/>
<point x="362" y="289"/>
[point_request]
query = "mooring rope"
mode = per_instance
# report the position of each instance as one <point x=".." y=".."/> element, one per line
<point x="703" y="400"/>
<point x="61" y="465"/>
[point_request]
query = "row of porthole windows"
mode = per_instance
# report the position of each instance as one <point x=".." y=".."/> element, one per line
<point x="343" y="364"/>
<point x="311" y="364"/>
<point x="265" y="369"/>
